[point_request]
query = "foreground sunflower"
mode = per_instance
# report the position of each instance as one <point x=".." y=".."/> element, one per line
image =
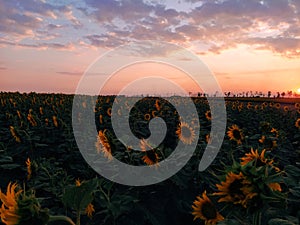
<point x="236" y="189"/>
<point x="235" y="133"/>
<point x="9" y="209"/>
<point x="204" y="209"/>
<point x="185" y="133"/>
<point x="259" y="159"/>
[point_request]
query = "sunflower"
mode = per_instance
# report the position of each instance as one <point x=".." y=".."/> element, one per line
<point x="151" y="157"/>
<point x="268" y="142"/>
<point x="54" y="118"/>
<point x="286" y="108"/>
<point x="208" y="139"/>
<point x="235" y="134"/>
<point x="297" y="123"/>
<point x="204" y="209"/>
<point x="90" y="210"/>
<point x="208" y="115"/>
<point x="236" y="189"/>
<point x="9" y="209"/>
<point x="147" y="116"/>
<point x="259" y="159"/>
<point x="297" y="105"/>
<point x="103" y="145"/>
<point x="78" y="182"/>
<point x="275" y="131"/>
<point x="108" y="111"/>
<point x="185" y="133"/>
<point x="275" y="187"/>
<point x="277" y="105"/>
<point x="157" y="105"/>
<point x="14" y="134"/>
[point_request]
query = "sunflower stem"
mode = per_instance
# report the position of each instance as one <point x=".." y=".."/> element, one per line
<point x="257" y="218"/>
<point x="61" y="218"/>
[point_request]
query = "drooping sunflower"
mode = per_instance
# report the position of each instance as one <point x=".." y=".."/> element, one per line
<point x="185" y="133"/>
<point x="259" y="159"/>
<point x="297" y="123"/>
<point x="236" y="189"/>
<point x="14" y="134"/>
<point x="208" y="115"/>
<point x="103" y="145"/>
<point x="90" y="210"/>
<point x="9" y="209"/>
<point x="204" y="209"/>
<point x="157" y="104"/>
<point x="235" y="133"/>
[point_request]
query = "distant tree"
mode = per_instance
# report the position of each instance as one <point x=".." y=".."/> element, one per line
<point x="283" y="94"/>
<point x="290" y="93"/>
<point x="278" y="95"/>
<point x="269" y="94"/>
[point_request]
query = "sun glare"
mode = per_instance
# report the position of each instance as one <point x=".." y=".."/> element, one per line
<point x="298" y="90"/>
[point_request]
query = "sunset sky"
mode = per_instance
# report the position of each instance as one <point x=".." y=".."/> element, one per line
<point x="249" y="45"/>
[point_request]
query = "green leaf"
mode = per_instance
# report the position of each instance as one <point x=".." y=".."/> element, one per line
<point x="278" y="221"/>
<point x="10" y="166"/>
<point x="78" y="197"/>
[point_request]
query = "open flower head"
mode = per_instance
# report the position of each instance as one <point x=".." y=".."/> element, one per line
<point x="235" y="134"/>
<point x="204" y="209"/>
<point x="258" y="159"/>
<point x="297" y="123"/>
<point x="185" y="133"/>
<point x="236" y="189"/>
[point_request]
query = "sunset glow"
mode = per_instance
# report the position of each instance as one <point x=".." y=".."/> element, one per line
<point x="248" y="45"/>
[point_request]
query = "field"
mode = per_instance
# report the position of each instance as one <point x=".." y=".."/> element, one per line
<point x="255" y="178"/>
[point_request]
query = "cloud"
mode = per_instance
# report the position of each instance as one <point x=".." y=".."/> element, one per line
<point x="40" y="46"/>
<point x="212" y="26"/>
<point x="3" y="68"/>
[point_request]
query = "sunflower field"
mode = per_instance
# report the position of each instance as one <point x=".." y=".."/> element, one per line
<point x="255" y="178"/>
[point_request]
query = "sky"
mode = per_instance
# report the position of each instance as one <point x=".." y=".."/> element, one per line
<point x="248" y="45"/>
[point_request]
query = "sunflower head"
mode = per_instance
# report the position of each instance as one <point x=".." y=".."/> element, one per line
<point x="236" y="189"/>
<point x="20" y="208"/>
<point x="208" y="115"/>
<point x="102" y="145"/>
<point x="204" y="209"/>
<point x="151" y="157"/>
<point x="258" y="159"/>
<point x="185" y="133"/>
<point x="297" y="123"/>
<point x="90" y="210"/>
<point x="235" y="133"/>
